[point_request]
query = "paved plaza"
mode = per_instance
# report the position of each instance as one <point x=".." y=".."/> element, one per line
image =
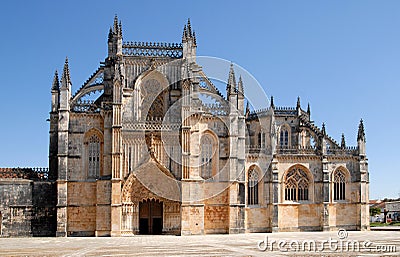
<point x="371" y="243"/>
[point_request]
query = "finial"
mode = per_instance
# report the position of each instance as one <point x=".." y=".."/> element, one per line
<point x="343" y="143"/>
<point x="240" y="85"/>
<point x="184" y="34"/>
<point x="116" y="24"/>
<point x="308" y="109"/>
<point x="361" y="133"/>
<point x="194" y="38"/>
<point x="272" y="102"/>
<point x="247" y="110"/>
<point x="231" y="86"/>
<point x="323" y="129"/>
<point x="189" y="27"/>
<point x="110" y="34"/>
<point x="120" y="29"/>
<point x="56" y="82"/>
<point x="65" y="78"/>
<point x="298" y="102"/>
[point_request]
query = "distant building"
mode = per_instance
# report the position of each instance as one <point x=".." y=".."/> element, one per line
<point x="381" y="205"/>
<point x="393" y="210"/>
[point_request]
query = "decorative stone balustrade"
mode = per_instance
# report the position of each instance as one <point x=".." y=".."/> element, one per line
<point x="173" y="50"/>
<point x="37" y="174"/>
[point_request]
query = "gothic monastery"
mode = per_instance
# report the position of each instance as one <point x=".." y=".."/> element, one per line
<point x="149" y="145"/>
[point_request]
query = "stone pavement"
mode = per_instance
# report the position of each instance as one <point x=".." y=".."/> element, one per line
<point x="372" y="243"/>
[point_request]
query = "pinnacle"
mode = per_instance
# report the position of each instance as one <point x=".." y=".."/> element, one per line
<point x="231" y="86"/>
<point x="194" y="38"/>
<point x="188" y="33"/>
<point x="184" y="35"/>
<point x="56" y="82"/>
<point x="116" y="24"/>
<point x="110" y="34"/>
<point x="247" y="110"/>
<point x="323" y="129"/>
<point x="120" y="29"/>
<point x="361" y="132"/>
<point x="343" y="143"/>
<point x="240" y="85"/>
<point x="189" y="28"/>
<point x="65" y="78"/>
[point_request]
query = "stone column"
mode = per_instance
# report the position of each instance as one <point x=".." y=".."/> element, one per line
<point x="62" y="186"/>
<point x="116" y="162"/>
<point x="236" y="173"/>
<point x="364" y="193"/>
<point x="275" y="195"/>
<point x="326" y="192"/>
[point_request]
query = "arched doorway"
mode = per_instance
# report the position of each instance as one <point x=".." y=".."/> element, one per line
<point x="150" y="217"/>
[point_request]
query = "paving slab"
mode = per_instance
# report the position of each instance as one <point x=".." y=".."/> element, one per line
<point x="370" y="243"/>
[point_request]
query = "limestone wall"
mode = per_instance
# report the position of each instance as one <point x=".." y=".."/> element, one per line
<point x="27" y="208"/>
<point x="81" y="208"/>
<point x="299" y="217"/>
<point x="258" y="219"/>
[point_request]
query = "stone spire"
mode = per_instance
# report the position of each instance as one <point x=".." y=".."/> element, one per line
<point x="240" y="86"/>
<point x="110" y="35"/>
<point x="194" y="38"/>
<point x="65" y="89"/>
<point x="323" y="129"/>
<point x="343" y="143"/>
<point x="116" y="27"/>
<point x="65" y="78"/>
<point x="231" y="86"/>
<point x="361" y="139"/>
<point x="361" y="133"/>
<point x="247" y="110"/>
<point x="188" y="33"/>
<point x="272" y="103"/>
<point x="56" y="82"/>
<point x="115" y="39"/>
<point x="308" y="109"/>
<point x="55" y="93"/>
<point x="189" y="41"/>
<point x="298" y="102"/>
<point x="189" y="28"/>
<point x="184" y="34"/>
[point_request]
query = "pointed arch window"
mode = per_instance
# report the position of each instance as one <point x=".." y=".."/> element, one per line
<point x="206" y="156"/>
<point x="252" y="187"/>
<point x="339" y="185"/>
<point x="94" y="156"/>
<point x="297" y="185"/>
<point x="284" y="137"/>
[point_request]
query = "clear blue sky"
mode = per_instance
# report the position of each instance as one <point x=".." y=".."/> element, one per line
<point x="341" y="56"/>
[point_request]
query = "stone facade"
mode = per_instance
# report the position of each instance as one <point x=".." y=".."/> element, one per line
<point x="158" y="149"/>
<point x="27" y="203"/>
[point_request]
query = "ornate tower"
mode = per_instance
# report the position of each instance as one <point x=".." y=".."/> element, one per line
<point x="364" y="178"/>
<point x="53" y="142"/>
<point x="63" y="126"/>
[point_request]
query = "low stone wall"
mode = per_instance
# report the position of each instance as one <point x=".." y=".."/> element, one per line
<point x="27" y="207"/>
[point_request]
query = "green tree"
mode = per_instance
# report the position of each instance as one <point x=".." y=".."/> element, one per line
<point x="374" y="211"/>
